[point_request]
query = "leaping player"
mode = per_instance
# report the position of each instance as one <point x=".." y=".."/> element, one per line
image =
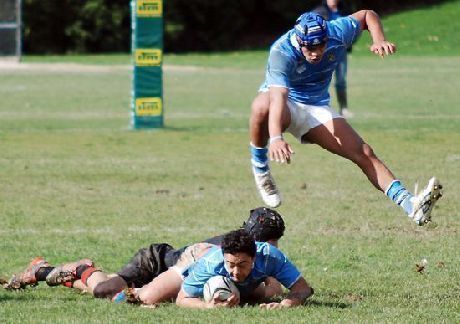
<point x="294" y="98"/>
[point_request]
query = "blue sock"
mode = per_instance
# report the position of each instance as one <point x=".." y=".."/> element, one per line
<point x="400" y="195"/>
<point x="259" y="158"/>
<point x="119" y="297"/>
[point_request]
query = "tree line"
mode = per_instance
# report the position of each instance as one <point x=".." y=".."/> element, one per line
<point x="98" y="26"/>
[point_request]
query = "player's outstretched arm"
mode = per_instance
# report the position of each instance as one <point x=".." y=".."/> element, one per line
<point x="183" y="300"/>
<point x="298" y="293"/>
<point x="279" y="149"/>
<point x="369" y="20"/>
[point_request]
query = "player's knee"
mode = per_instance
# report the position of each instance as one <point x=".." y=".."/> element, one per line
<point x="368" y="151"/>
<point x="109" y="288"/>
<point x="259" y="110"/>
<point x="362" y="155"/>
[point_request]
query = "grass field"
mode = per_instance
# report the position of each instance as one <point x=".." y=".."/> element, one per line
<point x="77" y="182"/>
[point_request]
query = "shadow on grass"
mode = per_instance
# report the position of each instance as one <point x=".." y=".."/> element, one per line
<point x="28" y="296"/>
<point x="17" y="296"/>
<point x="316" y="303"/>
<point x="307" y="303"/>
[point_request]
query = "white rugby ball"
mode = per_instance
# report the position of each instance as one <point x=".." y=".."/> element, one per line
<point x="221" y="285"/>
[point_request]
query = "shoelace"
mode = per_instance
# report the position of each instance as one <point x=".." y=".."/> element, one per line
<point x="131" y="296"/>
<point x="64" y="276"/>
<point x="269" y="186"/>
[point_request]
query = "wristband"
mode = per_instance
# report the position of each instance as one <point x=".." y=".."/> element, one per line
<point x="275" y="138"/>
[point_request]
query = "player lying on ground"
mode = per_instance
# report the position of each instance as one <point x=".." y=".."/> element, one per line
<point x="294" y="98"/>
<point x="263" y="224"/>
<point x="247" y="263"/>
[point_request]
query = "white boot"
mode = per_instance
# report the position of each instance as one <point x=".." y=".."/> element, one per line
<point x="424" y="202"/>
<point x="267" y="188"/>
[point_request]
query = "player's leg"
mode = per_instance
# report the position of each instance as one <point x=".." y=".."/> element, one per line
<point x="258" y="129"/>
<point x="71" y="271"/>
<point x="27" y="277"/>
<point x="163" y="288"/>
<point x="338" y="137"/>
<point x="90" y="280"/>
<point x="258" y="123"/>
<point x="40" y="270"/>
<point x="145" y="265"/>
<point x="107" y="287"/>
<point x="167" y="285"/>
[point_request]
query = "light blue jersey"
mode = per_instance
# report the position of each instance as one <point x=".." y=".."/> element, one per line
<point x="308" y="83"/>
<point x="269" y="262"/>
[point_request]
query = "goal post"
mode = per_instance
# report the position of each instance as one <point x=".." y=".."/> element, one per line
<point x="10" y="30"/>
<point x="147" y="57"/>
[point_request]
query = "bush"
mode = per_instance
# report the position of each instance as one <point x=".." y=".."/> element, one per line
<point x="92" y="26"/>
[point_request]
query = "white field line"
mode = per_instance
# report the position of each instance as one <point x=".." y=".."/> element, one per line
<point x="93" y="68"/>
<point x="377" y="232"/>
<point x="223" y="113"/>
<point x="111" y="130"/>
<point x="82" y="161"/>
<point x="61" y="67"/>
<point x="101" y="230"/>
<point x="101" y="115"/>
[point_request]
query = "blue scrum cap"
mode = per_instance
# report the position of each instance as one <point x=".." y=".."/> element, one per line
<point x="311" y="29"/>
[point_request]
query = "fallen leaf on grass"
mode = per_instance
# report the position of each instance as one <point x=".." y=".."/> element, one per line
<point x="353" y="297"/>
<point x="162" y="191"/>
<point x="420" y="267"/>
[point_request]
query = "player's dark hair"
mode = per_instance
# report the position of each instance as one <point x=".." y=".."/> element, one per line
<point x="239" y="241"/>
<point x="264" y="224"/>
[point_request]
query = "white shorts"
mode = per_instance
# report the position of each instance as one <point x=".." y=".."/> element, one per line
<point x="305" y="117"/>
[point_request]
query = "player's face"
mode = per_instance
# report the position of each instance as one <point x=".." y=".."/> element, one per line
<point x="332" y="3"/>
<point x="239" y="265"/>
<point x="313" y="54"/>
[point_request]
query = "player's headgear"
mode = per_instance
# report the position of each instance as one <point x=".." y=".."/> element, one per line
<point x="311" y="29"/>
<point x="264" y="224"/>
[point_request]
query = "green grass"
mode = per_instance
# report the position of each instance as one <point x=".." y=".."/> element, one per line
<point x="430" y="30"/>
<point x="77" y="182"/>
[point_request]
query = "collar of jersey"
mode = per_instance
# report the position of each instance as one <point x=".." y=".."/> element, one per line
<point x="294" y="41"/>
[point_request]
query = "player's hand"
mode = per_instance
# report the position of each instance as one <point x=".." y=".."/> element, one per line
<point x="280" y="151"/>
<point x="271" y="306"/>
<point x="232" y="301"/>
<point x="383" y="48"/>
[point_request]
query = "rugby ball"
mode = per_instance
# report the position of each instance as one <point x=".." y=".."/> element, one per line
<point x="221" y="285"/>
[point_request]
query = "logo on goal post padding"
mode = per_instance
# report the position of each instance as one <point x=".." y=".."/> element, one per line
<point x="149" y="107"/>
<point x="148" y="57"/>
<point x="149" y="8"/>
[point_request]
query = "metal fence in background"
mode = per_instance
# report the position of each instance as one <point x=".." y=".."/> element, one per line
<point x="10" y="29"/>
